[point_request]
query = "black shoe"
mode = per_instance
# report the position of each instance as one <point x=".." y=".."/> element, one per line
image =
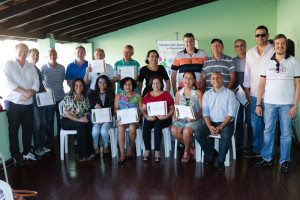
<point x="263" y="163"/>
<point x="120" y="161"/>
<point x="239" y="147"/>
<point x="95" y="156"/>
<point x="247" y="150"/>
<point x="18" y="162"/>
<point x="251" y="154"/>
<point x="221" y="166"/>
<point x="285" y="166"/>
<point x="210" y="160"/>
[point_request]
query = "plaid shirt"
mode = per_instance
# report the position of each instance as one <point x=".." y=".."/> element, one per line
<point x="77" y="108"/>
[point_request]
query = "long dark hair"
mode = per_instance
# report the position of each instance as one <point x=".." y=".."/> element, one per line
<point x="72" y="91"/>
<point x="108" y="89"/>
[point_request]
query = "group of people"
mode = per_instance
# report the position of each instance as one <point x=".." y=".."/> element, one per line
<point x="269" y="76"/>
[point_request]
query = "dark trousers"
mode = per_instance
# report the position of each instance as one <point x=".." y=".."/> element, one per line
<point x="240" y="126"/>
<point x="84" y="136"/>
<point x="208" y="148"/>
<point x="17" y="115"/>
<point x="50" y="112"/>
<point x="39" y="127"/>
<point x="158" y="125"/>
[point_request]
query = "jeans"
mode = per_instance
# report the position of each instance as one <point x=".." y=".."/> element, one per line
<point x="104" y="130"/>
<point x="271" y="113"/>
<point x="17" y="115"/>
<point x="158" y="125"/>
<point x="83" y="136"/>
<point x="50" y="111"/>
<point x="39" y="127"/>
<point x="240" y="125"/>
<point x="257" y="126"/>
<point x="226" y="134"/>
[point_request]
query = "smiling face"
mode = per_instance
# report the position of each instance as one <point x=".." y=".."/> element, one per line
<point x="152" y="58"/>
<point x="99" y="55"/>
<point x="33" y="57"/>
<point x="102" y="84"/>
<point x="216" y="80"/>
<point x="127" y="53"/>
<point x="21" y="52"/>
<point x="189" y="43"/>
<point x="188" y="80"/>
<point x="217" y="48"/>
<point x="52" y="56"/>
<point x="156" y="85"/>
<point x="79" y="53"/>
<point x="261" y="36"/>
<point x="128" y="86"/>
<point x="78" y="87"/>
<point x="280" y="46"/>
<point x="240" y="47"/>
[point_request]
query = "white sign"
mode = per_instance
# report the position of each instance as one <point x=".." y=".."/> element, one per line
<point x="101" y="115"/>
<point x="98" y="66"/>
<point x="184" y="111"/>
<point x="127" y="116"/>
<point x="45" y="98"/>
<point x="157" y="108"/>
<point x="241" y="96"/>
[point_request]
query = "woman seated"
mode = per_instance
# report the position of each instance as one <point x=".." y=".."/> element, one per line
<point x="183" y="129"/>
<point x="126" y="99"/>
<point x="102" y="97"/>
<point x="157" y="122"/>
<point x="152" y="69"/>
<point x="76" y="109"/>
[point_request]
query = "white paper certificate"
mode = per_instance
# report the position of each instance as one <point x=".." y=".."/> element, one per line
<point x="184" y="111"/>
<point x="101" y="115"/>
<point x="241" y="96"/>
<point x="127" y="116"/>
<point x="45" y="99"/>
<point x="98" y="66"/>
<point x="157" y="108"/>
<point x="126" y="71"/>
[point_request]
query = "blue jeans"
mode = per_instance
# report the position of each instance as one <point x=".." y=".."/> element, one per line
<point x="257" y="126"/>
<point x="271" y="113"/>
<point x="226" y="134"/>
<point x="39" y="127"/>
<point x="104" y="130"/>
<point x="240" y="125"/>
<point x="50" y="111"/>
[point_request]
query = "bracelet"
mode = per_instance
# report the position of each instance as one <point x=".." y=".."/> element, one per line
<point x="258" y="105"/>
<point x="296" y="106"/>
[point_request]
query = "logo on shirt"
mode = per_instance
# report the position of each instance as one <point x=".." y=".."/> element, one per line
<point x="283" y="70"/>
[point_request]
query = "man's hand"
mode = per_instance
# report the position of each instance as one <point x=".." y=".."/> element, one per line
<point x="162" y="117"/>
<point x="293" y="112"/>
<point x="213" y="130"/>
<point x="136" y="77"/>
<point x="258" y="111"/>
<point x="189" y="119"/>
<point x="175" y="119"/>
<point x="151" y="118"/>
<point x="117" y="77"/>
<point x="25" y="98"/>
<point x="88" y="69"/>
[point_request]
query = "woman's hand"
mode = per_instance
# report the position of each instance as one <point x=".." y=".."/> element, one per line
<point x="162" y="117"/>
<point x="84" y="119"/>
<point x="152" y="118"/>
<point x="97" y="106"/>
<point x="189" y="119"/>
<point x="175" y="119"/>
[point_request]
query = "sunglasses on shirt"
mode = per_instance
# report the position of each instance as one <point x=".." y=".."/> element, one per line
<point x="261" y="35"/>
<point x="277" y="68"/>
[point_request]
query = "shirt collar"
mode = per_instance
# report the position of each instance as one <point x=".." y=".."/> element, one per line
<point x="195" y="50"/>
<point x="221" y="90"/>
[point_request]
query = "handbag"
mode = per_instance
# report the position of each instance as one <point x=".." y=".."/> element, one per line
<point x="21" y="194"/>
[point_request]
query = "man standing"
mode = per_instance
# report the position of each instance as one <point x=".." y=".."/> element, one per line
<point x="77" y="68"/>
<point x="280" y="82"/>
<point x="127" y="61"/>
<point x="218" y="63"/>
<point x="23" y="81"/>
<point x="91" y="77"/>
<point x="53" y="78"/>
<point x="219" y="107"/>
<point x="255" y="59"/>
<point x="39" y="113"/>
<point x="190" y="59"/>
<point x="239" y="63"/>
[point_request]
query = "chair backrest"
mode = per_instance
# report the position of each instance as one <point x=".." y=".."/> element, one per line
<point x="60" y="107"/>
<point x="6" y="191"/>
<point x="237" y="112"/>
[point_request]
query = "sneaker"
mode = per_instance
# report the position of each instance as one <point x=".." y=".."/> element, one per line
<point x="221" y="166"/>
<point x="39" y="152"/>
<point x="239" y="147"/>
<point x="46" y="150"/>
<point x="31" y="156"/>
<point x="285" y="166"/>
<point x="251" y="154"/>
<point x="18" y="162"/>
<point x="263" y="163"/>
<point x="247" y="150"/>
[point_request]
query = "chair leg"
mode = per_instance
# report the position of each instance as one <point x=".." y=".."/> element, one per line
<point x="152" y="139"/>
<point x="62" y="142"/>
<point x="175" y="149"/>
<point x="112" y="142"/>
<point x="227" y="158"/>
<point x="233" y="147"/>
<point x="66" y="143"/>
<point x="4" y="167"/>
<point x="138" y="143"/>
<point x="217" y="143"/>
<point x="166" y="143"/>
<point x="202" y="156"/>
<point x="198" y="151"/>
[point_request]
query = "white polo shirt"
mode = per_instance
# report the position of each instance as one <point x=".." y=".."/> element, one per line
<point x="254" y="63"/>
<point x="15" y="76"/>
<point x="280" y="87"/>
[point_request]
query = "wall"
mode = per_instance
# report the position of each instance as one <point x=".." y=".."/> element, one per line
<point x="225" y="19"/>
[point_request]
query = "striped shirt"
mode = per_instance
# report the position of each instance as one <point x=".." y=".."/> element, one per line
<point x="224" y="65"/>
<point x="183" y="62"/>
<point x="53" y="79"/>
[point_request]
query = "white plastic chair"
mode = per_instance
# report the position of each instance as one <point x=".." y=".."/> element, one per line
<point x="7" y="191"/>
<point x="197" y="150"/>
<point x="4" y="167"/>
<point x="218" y="137"/>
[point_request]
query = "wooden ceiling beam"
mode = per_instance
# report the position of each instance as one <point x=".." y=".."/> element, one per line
<point x="140" y="19"/>
<point x="22" y="8"/>
<point x="76" y="12"/>
<point x="71" y="24"/>
<point x="41" y="13"/>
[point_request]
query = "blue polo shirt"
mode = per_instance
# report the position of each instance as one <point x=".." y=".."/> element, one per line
<point x="74" y="71"/>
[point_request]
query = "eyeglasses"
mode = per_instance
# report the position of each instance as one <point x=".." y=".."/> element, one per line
<point x="277" y="68"/>
<point x="261" y="35"/>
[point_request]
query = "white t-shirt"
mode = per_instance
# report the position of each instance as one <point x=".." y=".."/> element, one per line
<point x="93" y="76"/>
<point x="280" y="87"/>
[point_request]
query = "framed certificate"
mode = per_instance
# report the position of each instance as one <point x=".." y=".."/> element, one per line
<point x="241" y="96"/>
<point x="45" y="98"/>
<point x="98" y="66"/>
<point x="157" y="108"/>
<point x="101" y="115"/>
<point x="127" y="116"/>
<point x="126" y="71"/>
<point x="184" y="111"/>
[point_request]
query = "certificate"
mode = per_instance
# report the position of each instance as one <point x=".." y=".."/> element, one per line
<point x="126" y="71"/>
<point x="184" y="111"/>
<point x="98" y="66"/>
<point x="157" y="108"/>
<point x="127" y="116"/>
<point x="45" y="98"/>
<point x="241" y="95"/>
<point x="101" y="115"/>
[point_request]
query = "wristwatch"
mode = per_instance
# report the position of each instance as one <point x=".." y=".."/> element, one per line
<point x="296" y="106"/>
<point x="221" y="127"/>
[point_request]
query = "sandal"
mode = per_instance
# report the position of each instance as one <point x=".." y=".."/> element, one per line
<point x="146" y="158"/>
<point x="157" y="159"/>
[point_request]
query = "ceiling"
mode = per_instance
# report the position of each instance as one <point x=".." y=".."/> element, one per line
<point x="79" y="20"/>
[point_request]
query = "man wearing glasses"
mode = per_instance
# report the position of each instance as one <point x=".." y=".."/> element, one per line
<point x="280" y="83"/>
<point x="255" y="59"/>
